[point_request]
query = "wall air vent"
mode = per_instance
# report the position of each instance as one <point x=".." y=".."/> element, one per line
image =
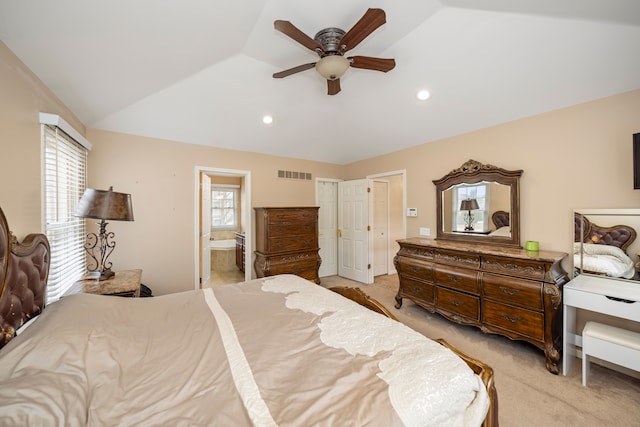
<point x="304" y="176"/>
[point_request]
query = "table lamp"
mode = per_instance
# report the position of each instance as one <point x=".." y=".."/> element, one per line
<point x="469" y="205"/>
<point x="103" y="205"/>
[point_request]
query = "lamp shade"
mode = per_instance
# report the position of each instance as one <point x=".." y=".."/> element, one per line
<point x="101" y="204"/>
<point x="469" y="205"/>
<point x="332" y="67"/>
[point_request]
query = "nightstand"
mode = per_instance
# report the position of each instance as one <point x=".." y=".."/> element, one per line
<point x="125" y="283"/>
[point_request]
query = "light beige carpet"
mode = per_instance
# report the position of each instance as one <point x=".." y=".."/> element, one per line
<point x="528" y="394"/>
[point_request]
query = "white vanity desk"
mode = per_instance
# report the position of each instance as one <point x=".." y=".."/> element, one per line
<point x="589" y="292"/>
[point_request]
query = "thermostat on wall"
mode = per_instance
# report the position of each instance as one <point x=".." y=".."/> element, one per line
<point x="412" y="211"/>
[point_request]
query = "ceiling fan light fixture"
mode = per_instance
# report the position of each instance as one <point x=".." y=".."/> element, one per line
<point x="332" y="67"/>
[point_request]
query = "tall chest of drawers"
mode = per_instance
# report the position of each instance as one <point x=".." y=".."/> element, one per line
<point x="505" y="291"/>
<point x="287" y="242"/>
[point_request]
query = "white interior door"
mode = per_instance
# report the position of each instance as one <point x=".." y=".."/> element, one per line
<point x="205" y="230"/>
<point x="354" y="230"/>
<point x="327" y="195"/>
<point x="380" y="227"/>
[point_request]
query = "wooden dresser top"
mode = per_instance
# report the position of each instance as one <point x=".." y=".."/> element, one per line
<point x="519" y="253"/>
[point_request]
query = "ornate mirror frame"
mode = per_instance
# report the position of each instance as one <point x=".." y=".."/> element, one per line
<point x="473" y="172"/>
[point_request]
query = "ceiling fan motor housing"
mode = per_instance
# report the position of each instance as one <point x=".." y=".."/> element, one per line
<point x="329" y="39"/>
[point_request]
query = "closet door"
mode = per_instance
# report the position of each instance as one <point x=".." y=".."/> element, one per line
<point x="355" y="247"/>
<point x="327" y="193"/>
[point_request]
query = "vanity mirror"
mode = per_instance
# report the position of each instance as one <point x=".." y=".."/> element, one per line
<point x="605" y="243"/>
<point x="479" y="203"/>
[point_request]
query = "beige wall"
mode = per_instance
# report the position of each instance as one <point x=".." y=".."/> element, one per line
<point x="22" y="98"/>
<point x="578" y="157"/>
<point x="500" y="199"/>
<point x="160" y="175"/>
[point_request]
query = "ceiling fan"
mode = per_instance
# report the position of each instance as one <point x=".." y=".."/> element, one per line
<point x="331" y="44"/>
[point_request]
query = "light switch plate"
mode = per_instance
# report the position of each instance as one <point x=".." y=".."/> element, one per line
<point x="425" y="231"/>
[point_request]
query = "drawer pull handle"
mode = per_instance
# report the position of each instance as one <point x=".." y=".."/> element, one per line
<point x="506" y="316"/>
<point x="453" y="278"/>
<point x="626" y="301"/>
<point x="456" y="303"/>
<point x="509" y="291"/>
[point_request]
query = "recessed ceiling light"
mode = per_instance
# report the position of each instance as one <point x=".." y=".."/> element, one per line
<point x="423" y="95"/>
<point x="267" y="120"/>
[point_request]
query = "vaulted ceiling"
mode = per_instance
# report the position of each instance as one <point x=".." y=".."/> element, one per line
<point x="200" y="71"/>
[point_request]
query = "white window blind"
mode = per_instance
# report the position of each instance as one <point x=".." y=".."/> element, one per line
<point x="65" y="179"/>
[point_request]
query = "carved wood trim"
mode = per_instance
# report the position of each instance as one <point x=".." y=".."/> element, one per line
<point x="473" y="172"/>
<point x="512" y="267"/>
<point x="539" y="279"/>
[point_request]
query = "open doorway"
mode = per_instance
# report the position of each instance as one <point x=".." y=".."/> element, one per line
<point x="389" y="225"/>
<point x="223" y="226"/>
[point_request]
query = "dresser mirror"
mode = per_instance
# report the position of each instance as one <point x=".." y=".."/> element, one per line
<point x="605" y="243"/>
<point x="479" y="203"/>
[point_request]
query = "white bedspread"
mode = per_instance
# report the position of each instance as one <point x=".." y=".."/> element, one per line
<point x="275" y="351"/>
<point x="603" y="259"/>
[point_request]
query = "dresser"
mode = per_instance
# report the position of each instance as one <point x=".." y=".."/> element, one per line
<point x="287" y="242"/>
<point x="507" y="291"/>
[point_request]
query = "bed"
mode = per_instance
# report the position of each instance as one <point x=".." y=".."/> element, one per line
<point x="602" y="250"/>
<point x="272" y="351"/>
<point x="501" y="221"/>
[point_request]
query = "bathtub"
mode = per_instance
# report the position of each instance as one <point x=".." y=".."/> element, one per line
<point x="220" y="245"/>
<point x="223" y="255"/>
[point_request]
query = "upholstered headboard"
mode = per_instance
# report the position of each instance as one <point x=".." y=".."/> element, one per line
<point x="620" y="236"/>
<point x="500" y="219"/>
<point x="24" y="269"/>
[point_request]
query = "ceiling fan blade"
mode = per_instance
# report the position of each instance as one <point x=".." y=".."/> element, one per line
<point x="333" y="86"/>
<point x="369" y="22"/>
<point x="292" y="31"/>
<point x="293" y="70"/>
<point x="369" y="63"/>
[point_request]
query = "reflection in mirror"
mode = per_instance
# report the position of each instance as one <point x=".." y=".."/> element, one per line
<point x="479" y="203"/>
<point x="472" y="208"/>
<point x="605" y="243"/>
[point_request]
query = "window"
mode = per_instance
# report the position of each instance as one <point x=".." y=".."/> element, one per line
<point x="65" y="179"/>
<point x="480" y="192"/>
<point x="224" y="207"/>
